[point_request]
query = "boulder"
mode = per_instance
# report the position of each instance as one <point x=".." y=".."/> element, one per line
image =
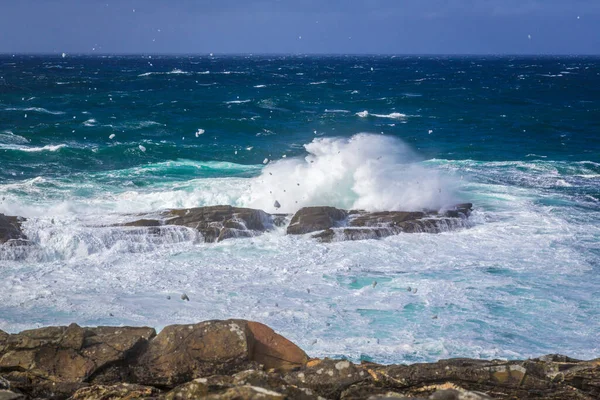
<point x="181" y="353"/>
<point x="54" y="362"/>
<point x="313" y="219"/>
<point x="273" y="351"/>
<point x="10" y="229"/>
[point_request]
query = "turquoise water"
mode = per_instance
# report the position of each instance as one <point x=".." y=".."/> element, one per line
<point x="87" y="141"/>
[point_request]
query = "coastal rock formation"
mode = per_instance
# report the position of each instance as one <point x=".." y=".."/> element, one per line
<point x="10" y="230"/>
<point x="338" y="225"/>
<point x="55" y="362"/>
<point x="218" y="223"/>
<point x="312" y="219"/>
<point x="238" y="359"/>
<point x="214" y="223"/>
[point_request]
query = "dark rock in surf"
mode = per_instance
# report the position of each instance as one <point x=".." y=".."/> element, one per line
<point x="10" y="230"/>
<point x="312" y="219"/>
<point x="364" y="225"/>
<point x="218" y="223"/>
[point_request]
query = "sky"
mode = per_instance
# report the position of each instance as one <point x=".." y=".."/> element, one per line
<point x="300" y="26"/>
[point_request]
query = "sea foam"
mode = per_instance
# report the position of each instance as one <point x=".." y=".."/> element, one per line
<point x="366" y="171"/>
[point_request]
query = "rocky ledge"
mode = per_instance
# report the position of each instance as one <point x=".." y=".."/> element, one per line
<point x="238" y="359"/>
<point x="326" y="224"/>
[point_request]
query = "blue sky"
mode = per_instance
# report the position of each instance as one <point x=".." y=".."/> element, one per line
<point x="301" y="26"/>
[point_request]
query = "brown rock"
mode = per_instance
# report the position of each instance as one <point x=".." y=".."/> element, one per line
<point x="122" y="391"/>
<point x="54" y="362"/>
<point x="10" y="229"/>
<point x="273" y="350"/>
<point x="312" y="219"/>
<point x="181" y="353"/>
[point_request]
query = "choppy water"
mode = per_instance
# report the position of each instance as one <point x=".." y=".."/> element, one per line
<point x="88" y="141"/>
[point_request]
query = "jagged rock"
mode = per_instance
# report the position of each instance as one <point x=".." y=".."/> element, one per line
<point x="515" y="379"/>
<point x="54" y="362"/>
<point x="122" y="391"/>
<point x="221" y="222"/>
<point x="312" y="219"/>
<point x="10" y="229"/>
<point x="238" y="359"/>
<point x="327" y="378"/>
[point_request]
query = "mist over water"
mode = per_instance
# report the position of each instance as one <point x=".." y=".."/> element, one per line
<point x="509" y="135"/>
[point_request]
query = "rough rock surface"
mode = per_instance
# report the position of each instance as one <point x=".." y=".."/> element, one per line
<point x="312" y="219"/>
<point x="238" y="359"/>
<point x="59" y="360"/>
<point x="214" y="223"/>
<point x="10" y="229"/>
<point x="333" y="224"/>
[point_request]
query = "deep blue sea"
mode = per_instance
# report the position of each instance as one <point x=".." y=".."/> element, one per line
<point x="86" y="142"/>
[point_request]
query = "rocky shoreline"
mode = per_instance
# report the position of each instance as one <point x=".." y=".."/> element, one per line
<point x="239" y="359"/>
<point x="325" y="224"/>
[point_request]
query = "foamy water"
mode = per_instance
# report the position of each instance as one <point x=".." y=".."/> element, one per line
<point x="130" y="137"/>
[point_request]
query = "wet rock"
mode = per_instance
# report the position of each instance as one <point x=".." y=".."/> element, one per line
<point x="54" y="362"/>
<point x="142" y="223"/>
<point x="10" y="229"/>
<point x="122" y="391"/>
<point x="221" y="222"/>
<point x="313" y="219"/>
<point x="362" y="225"/>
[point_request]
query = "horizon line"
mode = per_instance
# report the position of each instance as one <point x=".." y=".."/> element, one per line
<point x="325" y="54"/>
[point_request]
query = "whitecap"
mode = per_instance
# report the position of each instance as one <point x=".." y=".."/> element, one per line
<point x="35" y="109"/>
<point x="238" y="101"/>
<point x="336" y="111"/>
<point x="50" y="147"/>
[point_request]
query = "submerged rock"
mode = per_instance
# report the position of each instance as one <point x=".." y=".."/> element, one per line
<point x="10" y="230"/>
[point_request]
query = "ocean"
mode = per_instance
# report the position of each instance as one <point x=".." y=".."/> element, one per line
<point x="87" y="142"/>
